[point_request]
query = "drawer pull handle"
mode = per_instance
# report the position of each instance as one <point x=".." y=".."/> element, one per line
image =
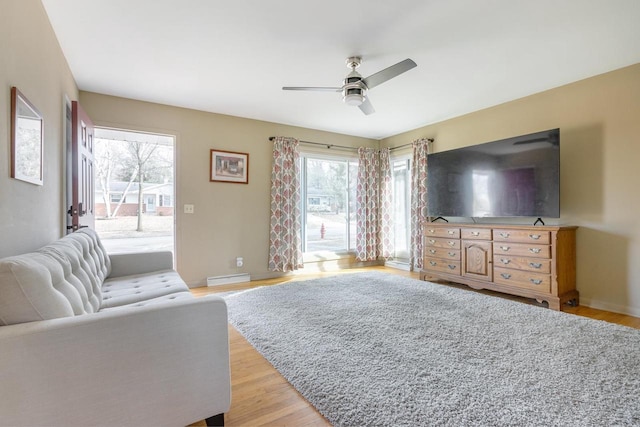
<point x="431" y="230"/>
<point x="534" y="250"/>
<point x="534" y="236"/>
<point x="432" y="241"/>
<point x="505" y="235"/>
<point x="451" y="267"/>
<point x="452" y="253"/>
<point x="536" y="281"/>
<point x="433" y="251"/>
<point x="433" y="263"/>
<point x="475" y="233"/>
<point x="452" y="244"/>
<point x="506" y="275"/>
<point x="451" y="232"/>
<point x="535" y="264"/>
<point x="505" y="261"/>
<point x="505" y="248"/>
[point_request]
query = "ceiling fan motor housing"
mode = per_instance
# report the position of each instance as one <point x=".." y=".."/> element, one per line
<point x="353" y="90"/>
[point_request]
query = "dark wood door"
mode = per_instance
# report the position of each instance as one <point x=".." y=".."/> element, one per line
<point x="82" y="169"/>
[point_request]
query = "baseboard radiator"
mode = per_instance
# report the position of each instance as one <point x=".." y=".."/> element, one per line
<point x="225" y="280"/>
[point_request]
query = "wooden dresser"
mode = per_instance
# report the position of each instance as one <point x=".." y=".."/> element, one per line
<point x="530" y="261"/>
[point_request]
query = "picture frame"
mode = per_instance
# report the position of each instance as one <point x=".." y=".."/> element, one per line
<point x="27" y="135"/>
<point x="229" y="166"/>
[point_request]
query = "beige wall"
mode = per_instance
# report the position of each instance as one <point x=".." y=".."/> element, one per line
<point x="230" y="219"/>
<point x="599" y="121"/>
<point x="31" y="60"/>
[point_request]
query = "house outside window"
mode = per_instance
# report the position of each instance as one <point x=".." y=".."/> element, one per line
<point x="115" y="197"/>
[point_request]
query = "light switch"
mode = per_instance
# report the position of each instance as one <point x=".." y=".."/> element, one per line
<point x="188" y="209"/>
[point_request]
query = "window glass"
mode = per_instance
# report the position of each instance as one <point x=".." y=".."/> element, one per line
<point x="401" y="176"/>
<point x="328" y="204"/>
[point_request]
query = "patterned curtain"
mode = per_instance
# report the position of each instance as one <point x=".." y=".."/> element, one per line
<point x="285" y="248"/>
<point x="373" y="205"/>
<point x="418" y="200"/>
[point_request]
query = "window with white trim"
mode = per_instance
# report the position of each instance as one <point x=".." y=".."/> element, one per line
<point x="328" y="199"/>
<point x="401" y="176"/>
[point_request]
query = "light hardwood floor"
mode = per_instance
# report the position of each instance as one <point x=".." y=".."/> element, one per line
<point x="262" y="397"/>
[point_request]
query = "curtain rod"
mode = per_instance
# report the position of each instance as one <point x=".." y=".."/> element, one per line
<point x="344" y="147"/>
<point x="429" y="140"/>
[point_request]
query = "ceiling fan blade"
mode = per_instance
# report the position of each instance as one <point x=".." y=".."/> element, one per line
<point x="389" y="73"/>
<point x="366" y="107"/>
<point x="317" y="89"/>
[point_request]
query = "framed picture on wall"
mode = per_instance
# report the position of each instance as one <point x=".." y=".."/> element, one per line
<point x="26" y="139"/>
<point x="228" y="166"/>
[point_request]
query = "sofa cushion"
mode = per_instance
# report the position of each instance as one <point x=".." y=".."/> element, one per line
<point x="61" y="279"/>
<point x="126" y="290"/>
<point x="162" y="299"/>
<point x="94" y="259"/>
<point x="28" y="293"/>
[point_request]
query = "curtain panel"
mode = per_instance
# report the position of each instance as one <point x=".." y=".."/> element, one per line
<point x="418" y="200"/>
<point x="285" y="245"/>
<point x="373" y="205"/>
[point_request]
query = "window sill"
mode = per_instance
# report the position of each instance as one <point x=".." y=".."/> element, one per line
<point x="320" y="256"/>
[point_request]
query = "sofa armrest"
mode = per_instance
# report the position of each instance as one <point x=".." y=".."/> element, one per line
<point x="140" y="263"/>
<point x="166" y="364"/>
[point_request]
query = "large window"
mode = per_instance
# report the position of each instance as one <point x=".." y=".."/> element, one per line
<point x="328" y="203"/>
<point x="401" y="170"/>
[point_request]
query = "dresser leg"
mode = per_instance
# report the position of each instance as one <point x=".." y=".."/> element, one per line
<point x="554" y="303"/>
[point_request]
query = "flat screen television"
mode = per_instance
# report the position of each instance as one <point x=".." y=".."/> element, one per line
<point x="513" y="177"/>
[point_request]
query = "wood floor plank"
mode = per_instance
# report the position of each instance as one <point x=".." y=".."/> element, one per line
<point x="261" y="396"/>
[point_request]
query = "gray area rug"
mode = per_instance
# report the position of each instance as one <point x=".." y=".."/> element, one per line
<point x="379" y="349"/>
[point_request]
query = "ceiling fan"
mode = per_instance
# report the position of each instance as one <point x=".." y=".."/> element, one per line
<point x="354" y="87"/>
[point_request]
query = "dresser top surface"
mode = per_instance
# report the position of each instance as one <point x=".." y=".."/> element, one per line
<point x="500" y="226"/>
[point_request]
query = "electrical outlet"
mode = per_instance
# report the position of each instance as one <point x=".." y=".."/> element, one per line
<point x="239" y="261"/>
<point x="188" y="209"/>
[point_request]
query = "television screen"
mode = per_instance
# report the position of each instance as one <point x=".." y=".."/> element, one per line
<point x="513" y="177"/>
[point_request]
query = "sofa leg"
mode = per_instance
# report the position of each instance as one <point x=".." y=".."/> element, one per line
<point x="216" y="420"/>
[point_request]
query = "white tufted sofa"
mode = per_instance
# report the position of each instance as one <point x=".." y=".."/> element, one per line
<point x="88" y="338"/>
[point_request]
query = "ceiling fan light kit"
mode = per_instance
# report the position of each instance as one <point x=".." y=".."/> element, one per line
<point x="354" y="99"/>
<point x="354" y="87"/>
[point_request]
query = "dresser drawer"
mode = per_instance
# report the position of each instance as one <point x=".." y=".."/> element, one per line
<point x="442" y="253"/>
<point x="524" y="236"/>
<point x="522" y="279"/>
<point x="453" y="233"/>
<point x="445" y="266"/>
<point x="521" y="249"/>
<point x="476" y="233"/>
<point x="537" y="265"/>
<point x="441" y="243"/>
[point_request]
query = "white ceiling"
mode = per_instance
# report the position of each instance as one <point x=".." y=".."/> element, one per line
<point x="233" y="56"/>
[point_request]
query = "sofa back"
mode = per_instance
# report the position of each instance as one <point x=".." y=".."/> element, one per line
<point x="61" y="279"/>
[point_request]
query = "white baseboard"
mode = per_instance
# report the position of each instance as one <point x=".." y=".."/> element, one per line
<point x="225" y="280"/>
<point x="607" y="306"/>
